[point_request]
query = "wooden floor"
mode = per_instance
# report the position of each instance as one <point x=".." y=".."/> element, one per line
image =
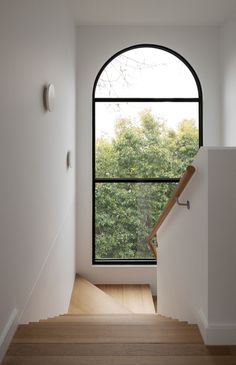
<point x="88" y="299"/>
<point x="104" y="299"/>
<point x="137" y="298"/>
<point x="121" y="338"/>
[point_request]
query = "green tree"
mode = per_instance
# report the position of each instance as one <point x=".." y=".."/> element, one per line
<point x="126" y="212"/>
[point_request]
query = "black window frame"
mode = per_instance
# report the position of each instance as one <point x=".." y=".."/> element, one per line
<point x="199" y="100"/>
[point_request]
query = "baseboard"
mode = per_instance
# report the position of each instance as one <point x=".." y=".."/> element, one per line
<point x="217" y="333"/>
<point x="221" y="334"/>
<point x="8" y="333"/>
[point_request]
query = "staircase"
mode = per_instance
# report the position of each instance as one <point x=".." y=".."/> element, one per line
<point x="106" y="299"/>
<point x="99" y="329"/>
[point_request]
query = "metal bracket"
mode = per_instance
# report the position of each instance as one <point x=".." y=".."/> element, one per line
<point x="187" y="204"/>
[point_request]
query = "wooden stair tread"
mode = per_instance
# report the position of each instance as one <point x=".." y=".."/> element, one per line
<point x="112" y="319"/>
<point x="118" y="360"/>
<point x="116" y="349"/>
<point x="82" y="333"/>
<point x="137" y="298"/>
<point x="158" y="325"/>
<point x="88" y="299"/>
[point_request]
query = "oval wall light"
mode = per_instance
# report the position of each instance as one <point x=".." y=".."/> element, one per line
<point x="49" y="97"/>
<point x="69" y="160"/>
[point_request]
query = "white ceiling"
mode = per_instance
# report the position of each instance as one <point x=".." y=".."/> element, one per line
<point x="152" y="12"/>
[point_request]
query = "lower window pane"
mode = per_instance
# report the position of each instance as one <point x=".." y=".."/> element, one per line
<point x="124" y="216"/>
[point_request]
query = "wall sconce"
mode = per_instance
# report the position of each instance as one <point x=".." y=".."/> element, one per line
<point x="69" y="160"/>
<point x="49" y="97"/>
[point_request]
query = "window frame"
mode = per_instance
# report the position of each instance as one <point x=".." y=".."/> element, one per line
<point x="199" y="100"/>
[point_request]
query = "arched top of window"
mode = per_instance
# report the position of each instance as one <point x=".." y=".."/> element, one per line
<point x="147" y="71"/>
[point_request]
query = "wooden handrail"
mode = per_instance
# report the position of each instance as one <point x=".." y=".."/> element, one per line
<point x="177" y="192"/>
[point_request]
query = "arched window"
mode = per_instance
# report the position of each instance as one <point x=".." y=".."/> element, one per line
<point x="147" y="127"/>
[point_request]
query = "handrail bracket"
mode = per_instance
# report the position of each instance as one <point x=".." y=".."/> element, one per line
<point x="187" y="204"/>
<point x="174" y="199"/>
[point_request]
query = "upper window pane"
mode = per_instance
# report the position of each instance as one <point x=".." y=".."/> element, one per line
<point x="146" y="72"/>
<point x="145" y="140"/>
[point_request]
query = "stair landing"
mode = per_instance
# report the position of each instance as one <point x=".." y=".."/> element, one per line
<point x="137" y="298"/>
<point x="88" y="299"/>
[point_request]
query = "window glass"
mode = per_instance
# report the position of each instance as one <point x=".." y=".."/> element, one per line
<point x="125" y="214"/>
<point x="146" y="72"/>
<point x="145" y="140"/>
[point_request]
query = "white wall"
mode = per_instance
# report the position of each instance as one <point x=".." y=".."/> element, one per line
<point x="222" y="243"/>
<point x="197" y="250"/>
<point x="228" y="59"/>
<point x="37" y="193"/>
<point x="183" y="251"/>
<point x="95" y="45"/>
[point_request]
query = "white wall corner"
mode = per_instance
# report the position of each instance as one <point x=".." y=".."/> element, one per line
<point x="217" y="334"/>
<point x="8" y="333"/>
<point x="202" y="324"/>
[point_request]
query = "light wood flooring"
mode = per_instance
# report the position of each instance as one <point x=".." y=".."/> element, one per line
<point x="137" y="298"/>
<point x="88" y="299"/>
